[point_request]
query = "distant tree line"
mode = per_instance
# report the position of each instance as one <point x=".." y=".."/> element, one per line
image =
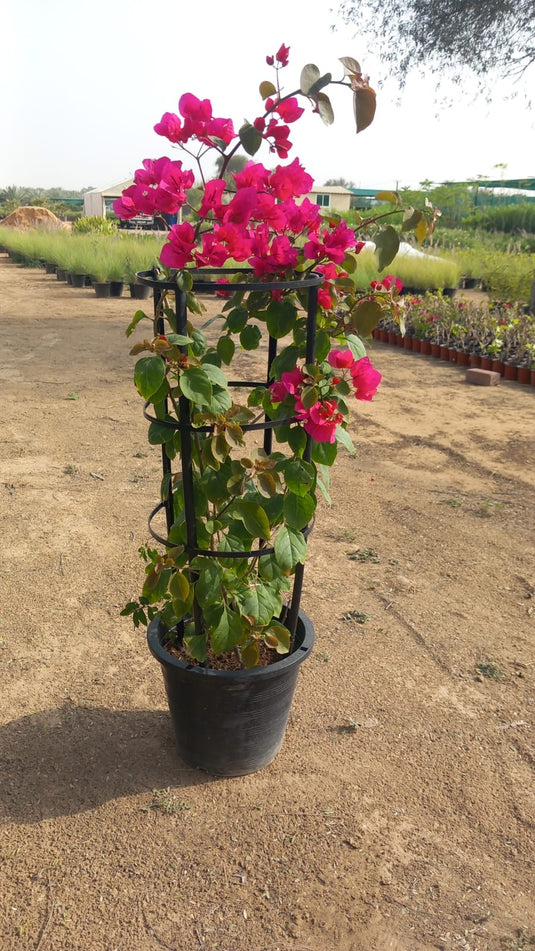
<point x="65" y="203"/>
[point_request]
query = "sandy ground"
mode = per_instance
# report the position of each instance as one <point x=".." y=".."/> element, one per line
<point x="399" y="814"/>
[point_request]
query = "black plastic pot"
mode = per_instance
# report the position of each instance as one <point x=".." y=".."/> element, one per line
<point x="230" y="723"/>
<point x="102" y="288"/>
<point x="78" y="280"/>
<point x="139" y="291"/>
<point x="116" y="288"/>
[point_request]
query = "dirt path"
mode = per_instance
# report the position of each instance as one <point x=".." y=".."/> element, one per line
<point x="399" y="814"/>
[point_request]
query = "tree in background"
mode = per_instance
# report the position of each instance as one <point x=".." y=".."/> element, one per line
<point x="445" y="36"/>
<point x="343" y="182"/>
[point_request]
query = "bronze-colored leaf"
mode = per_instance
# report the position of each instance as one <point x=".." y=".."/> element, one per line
<point x="309" y="75"/>
<point x="364" y="106"/>
<point x="325" y="109"/>
<point x="351" y="65"/>
<point x="392" y="197"/>
<point x="267" y="89"/>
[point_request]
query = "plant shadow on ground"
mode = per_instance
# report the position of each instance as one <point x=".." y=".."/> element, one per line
<point x="72" y="759"/>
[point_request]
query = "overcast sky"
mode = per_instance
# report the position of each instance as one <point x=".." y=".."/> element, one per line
<point x="84" y="83"/>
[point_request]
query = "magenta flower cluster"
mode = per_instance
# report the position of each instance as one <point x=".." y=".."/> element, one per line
<point x="322" y="418"/>
<point x="265" y="222"/>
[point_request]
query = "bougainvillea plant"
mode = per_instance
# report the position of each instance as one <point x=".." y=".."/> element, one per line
<point x="258" y="223"/>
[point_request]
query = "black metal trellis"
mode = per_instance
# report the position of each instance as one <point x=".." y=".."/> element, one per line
<point x="208" y="282"/>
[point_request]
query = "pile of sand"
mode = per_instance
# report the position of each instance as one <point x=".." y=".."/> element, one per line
<point x="28" y="217"/>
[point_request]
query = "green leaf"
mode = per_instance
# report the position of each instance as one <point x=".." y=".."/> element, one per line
<point x="365" y="316"/>
<point x="196" y="386"/>
<point x="309" y="396"/>
<point x="297" y="440"/>
<point x="298" y="510"/>
<point x="261" y="603"/>
<point x="250" y="337"/>
<point x="290" y="548"/>
<point x="159" y="434"/>
<point x="250" y="138"/>
<point x="225" y="349"/>
<point x="180" y="340"/>
<point x="207" y="587"/>
<point x="356" y="346"/>
<point x="411" y="219"/>
<point x="231" y="630"/>
<point x="267" y="485"/>
<point x="237" y="319"/>
<point x="139" y="315"/>
<point x="309" y="75"/>
<point x="250" y="654"/>
<point x="386" y="247"/>
<point x="299" y="475"/>
<point x="281" y="317"/>
<point x="281" y="635"/>
<point x="285" y="361"/>
<point x="149" y="374"/>
<point x="323" y="345"/>
<point x="215" y="374"/>
<point x="343" y="437"/>
<point x="179" y="586"/>
<point x="324" y="453"/>
<point x="254" y="518"/>
<point x="184" y="281"/>
<point x="196" y="645"/>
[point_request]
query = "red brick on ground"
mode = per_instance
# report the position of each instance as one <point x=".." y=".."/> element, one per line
<point x="482" y="377"/>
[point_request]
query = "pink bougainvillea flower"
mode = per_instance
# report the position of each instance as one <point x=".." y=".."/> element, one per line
<point x="365" y="378"/>
<point x="321" y="420"/>
<point x="270" y="211"/>
<point x="290" y="181"/>
<point x="279" y="133"/>
<point x="152" y="171"/>
<point x="235" y="239"/>
<point x="270" y="258"/>
<point x="178" y="252"/>
<point x="242" y="206"/>
<point x="170" y="126"/>
<point x="125" y="207"/>
<point x="176" y="180"/>
<point x="303" y="217"/>
<point x="221" y="129"/>
<point x="392" y="282"/>
<point x="282" y="54"/>
<point x="221" y="292"/>
<point x="213" y="253"/>
<point x="194" y="109"/>
<point x="331" y="243"/>
<point x="288" y="109"/>
<point x="212" y="198"/>
<point x="387" y="283"/>
<point x="290" y="382"/>
<point x="252" y="175"/>
<point x="341" y="359"/>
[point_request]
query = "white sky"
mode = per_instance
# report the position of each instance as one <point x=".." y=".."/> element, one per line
<point x="83" y="84"/>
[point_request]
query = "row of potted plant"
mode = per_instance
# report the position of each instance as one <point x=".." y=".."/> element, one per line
<point x="493" y="335"/>
<point x="90" y="258"/>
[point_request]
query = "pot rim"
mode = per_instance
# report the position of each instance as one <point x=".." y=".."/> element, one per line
<point x="156" y="630"/>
